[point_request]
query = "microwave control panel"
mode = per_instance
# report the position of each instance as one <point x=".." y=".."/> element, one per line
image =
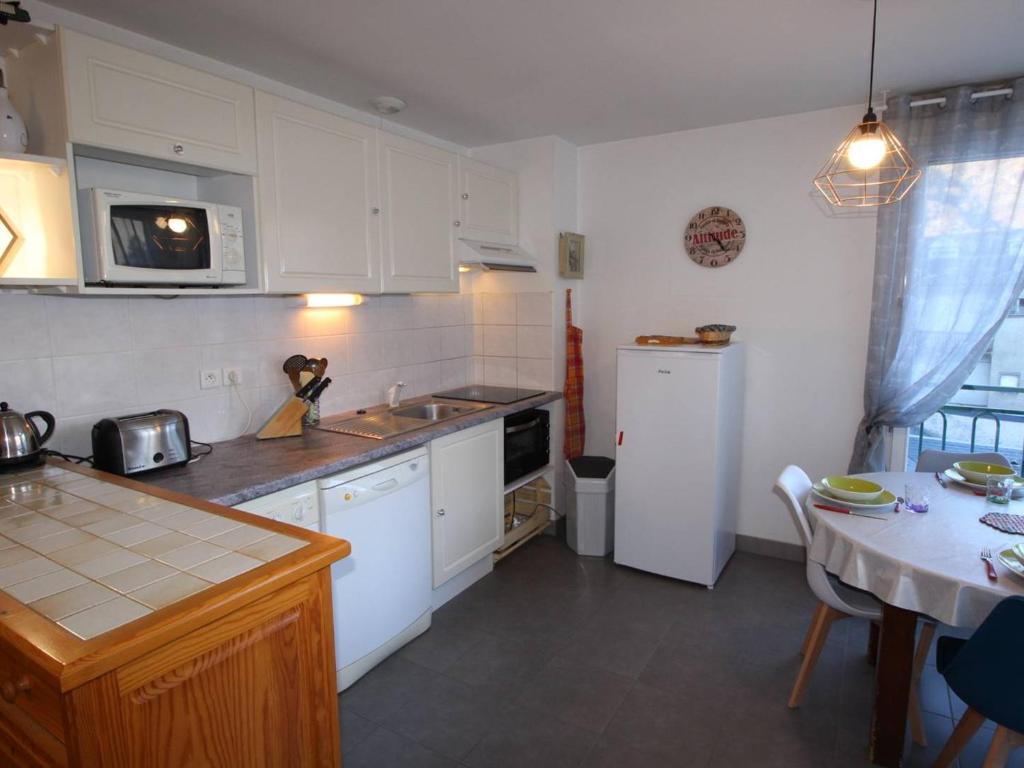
<point x="232" y="244"/>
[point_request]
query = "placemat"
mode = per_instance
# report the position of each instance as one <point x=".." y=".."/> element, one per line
<point x="1004" y="521"/>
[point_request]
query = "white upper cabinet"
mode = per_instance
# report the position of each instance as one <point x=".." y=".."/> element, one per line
<point x="127" y="101"/>
<point x="419" y="211"/>
<point x="488" y="202"/>
<point x="319" y="199"/>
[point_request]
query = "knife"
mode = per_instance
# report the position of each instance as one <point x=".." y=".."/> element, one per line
<point x="318" y="390"/>
<point x="942" y="481"/>
<point x="844" y="511"/>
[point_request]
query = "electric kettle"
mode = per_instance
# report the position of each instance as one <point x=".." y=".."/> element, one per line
<point x="20" y="441"/>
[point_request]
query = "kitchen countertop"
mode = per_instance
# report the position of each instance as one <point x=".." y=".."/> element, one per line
<point x="94" y="566"/>
<point x="246" y="468"/>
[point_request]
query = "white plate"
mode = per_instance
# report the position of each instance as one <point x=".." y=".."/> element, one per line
<point x="822" y="493"/>
<point x="1010" y="559"/>
<point x="956" y="477"/>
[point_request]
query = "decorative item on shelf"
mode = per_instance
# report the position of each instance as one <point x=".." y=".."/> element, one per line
<point x="570" y="255"/>
<point x="715" y="334"/>
<point x="715" y="236"/>
<point x="870" y="167"/>
<point x="13" y="136"/>
<point x="12" y="11"/>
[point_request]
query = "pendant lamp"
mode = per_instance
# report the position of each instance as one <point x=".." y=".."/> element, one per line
<point x="870" y="167"/>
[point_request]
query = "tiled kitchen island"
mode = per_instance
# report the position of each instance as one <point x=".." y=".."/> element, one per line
<point x="143" y="627"/>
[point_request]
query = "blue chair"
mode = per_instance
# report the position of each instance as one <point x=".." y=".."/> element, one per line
<point x="987" y="672"/>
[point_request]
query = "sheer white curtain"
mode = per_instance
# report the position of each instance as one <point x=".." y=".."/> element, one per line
<point x="949" y="260"/>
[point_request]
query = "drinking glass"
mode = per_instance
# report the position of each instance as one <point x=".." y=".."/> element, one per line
<point x="915" y="498"/>
<point x="998" y="489"/>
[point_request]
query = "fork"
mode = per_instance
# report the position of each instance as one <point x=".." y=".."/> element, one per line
<point x="986" y="555"/>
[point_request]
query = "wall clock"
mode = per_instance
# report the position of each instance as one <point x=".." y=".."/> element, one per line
<point x="715" y="236"/>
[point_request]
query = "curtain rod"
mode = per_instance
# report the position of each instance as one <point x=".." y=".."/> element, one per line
<point x="941" y="100"/>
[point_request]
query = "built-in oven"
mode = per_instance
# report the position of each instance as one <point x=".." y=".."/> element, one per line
<point x="527" y="443"/>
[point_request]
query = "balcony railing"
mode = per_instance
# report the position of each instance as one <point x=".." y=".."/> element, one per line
<point x="1006" y="435"/>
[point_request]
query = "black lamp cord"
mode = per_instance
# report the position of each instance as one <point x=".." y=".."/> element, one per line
<point x="870" y="116"/>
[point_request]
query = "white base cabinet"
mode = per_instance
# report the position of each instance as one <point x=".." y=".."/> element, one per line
<point x="466" y="488"/>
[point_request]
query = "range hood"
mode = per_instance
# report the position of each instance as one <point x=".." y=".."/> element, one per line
<point x="495" y="257"/>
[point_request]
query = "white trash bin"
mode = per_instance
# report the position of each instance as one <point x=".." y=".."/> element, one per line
<point x="590" y="519"/>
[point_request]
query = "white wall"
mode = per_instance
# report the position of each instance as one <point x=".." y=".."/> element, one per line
<point x="800" y="293"/>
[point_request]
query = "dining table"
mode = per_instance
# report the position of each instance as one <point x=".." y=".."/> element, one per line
<point x="925" y="564"/>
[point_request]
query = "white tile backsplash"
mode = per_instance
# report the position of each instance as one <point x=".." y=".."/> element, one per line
<point x="83" y="358"/>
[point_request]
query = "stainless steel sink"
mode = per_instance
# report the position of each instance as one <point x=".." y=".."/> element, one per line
<point x="433" y="411"/>
<point x="404" y="418"/>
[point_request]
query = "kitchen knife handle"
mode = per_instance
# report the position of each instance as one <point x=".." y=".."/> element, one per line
<point x="303" y="393"/>
<point x="313" y="396"/>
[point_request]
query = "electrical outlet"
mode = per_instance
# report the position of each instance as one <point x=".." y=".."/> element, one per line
<point x="232" y="377"/>
<point x="209" y="379"/>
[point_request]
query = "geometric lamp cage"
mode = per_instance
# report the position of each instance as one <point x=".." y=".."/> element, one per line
<point x="851" y="177"/>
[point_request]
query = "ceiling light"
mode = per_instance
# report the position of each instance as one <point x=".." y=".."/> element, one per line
<point x="870" y="167"/>
<point x="387" y="105"/>
<point x="333" y="299"/>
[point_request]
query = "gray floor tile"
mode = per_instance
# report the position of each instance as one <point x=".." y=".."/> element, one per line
<point x="388" y="688"/>
<point x="505" y="662"/>
<point x="355" y="728"/>
<point x="576" y="693"/>
<point x="385" y="749"/>
<point x="673" y="727"/>
<point x="613" y="753"/>
<point x="530" y="739"/>
<point x="441" y="645"/>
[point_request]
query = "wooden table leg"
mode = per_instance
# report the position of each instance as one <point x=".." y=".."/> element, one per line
<point x="893" y="677"/>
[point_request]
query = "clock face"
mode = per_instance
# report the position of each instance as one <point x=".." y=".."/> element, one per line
<point x="715" y="236"/>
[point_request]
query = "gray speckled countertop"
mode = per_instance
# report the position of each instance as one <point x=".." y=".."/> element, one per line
<point x="246" y="468"/>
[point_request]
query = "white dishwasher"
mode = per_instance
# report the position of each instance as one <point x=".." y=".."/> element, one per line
<point x="382" y="591"/>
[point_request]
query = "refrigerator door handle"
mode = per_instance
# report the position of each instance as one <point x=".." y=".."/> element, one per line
<point x="620" y="437"/>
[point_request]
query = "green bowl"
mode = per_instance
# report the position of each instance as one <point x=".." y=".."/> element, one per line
<point x="979" y="472"/>
<point x="852" y="488"/>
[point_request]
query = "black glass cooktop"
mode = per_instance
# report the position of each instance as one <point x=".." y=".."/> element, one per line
<point x="482" y="394"/>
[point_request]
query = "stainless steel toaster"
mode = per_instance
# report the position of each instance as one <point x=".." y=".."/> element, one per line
<point x="128" y="445"/>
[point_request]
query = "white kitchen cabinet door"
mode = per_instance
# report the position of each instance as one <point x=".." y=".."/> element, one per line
<point x="318" y="200"/>
<point x="128" y="101"/>
<point x="488" y="202"/>
<point x="466" y="486"/>
<point x="419" y="211"/>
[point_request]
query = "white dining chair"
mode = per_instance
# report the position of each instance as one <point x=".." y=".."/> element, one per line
<point x="940" y="461"/>
<point x="838" y="601"/>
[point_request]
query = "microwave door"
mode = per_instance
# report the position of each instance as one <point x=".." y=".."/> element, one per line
<point x="161" y="244"/>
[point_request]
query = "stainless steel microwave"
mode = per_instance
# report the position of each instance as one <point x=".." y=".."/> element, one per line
<point x="130" y="238"/>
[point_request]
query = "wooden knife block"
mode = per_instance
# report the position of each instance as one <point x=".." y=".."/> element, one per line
<point x="286" y="421"/>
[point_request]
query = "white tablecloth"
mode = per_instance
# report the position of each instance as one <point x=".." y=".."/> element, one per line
<point x="928" y="562"/>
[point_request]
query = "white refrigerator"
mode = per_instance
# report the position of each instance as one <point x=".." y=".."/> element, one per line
<point x="679" y="418"/>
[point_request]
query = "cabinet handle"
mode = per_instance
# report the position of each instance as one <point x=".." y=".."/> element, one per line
<point x="375" y="211"/>
<point x="457" y="223"/>
<point x="440" y="512"/>
<point x="178" y="149"/>
<point x="10" y="690"/>
<point x="465" y="195"/>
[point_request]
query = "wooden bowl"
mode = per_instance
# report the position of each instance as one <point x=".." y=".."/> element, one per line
<point x="715" y="334"/>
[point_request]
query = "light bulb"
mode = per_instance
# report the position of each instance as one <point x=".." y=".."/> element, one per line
<point x="177" y="224"/>
<point x="866" y="152"/>
<point x="333" y="299"/>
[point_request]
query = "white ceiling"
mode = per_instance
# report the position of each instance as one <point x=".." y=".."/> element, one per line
<point x="485" y="71"/>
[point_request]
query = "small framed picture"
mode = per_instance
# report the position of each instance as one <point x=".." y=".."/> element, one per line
<point x="570" y="255"/>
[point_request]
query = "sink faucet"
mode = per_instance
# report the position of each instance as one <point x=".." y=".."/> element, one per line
<point x="395" y="394"/>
